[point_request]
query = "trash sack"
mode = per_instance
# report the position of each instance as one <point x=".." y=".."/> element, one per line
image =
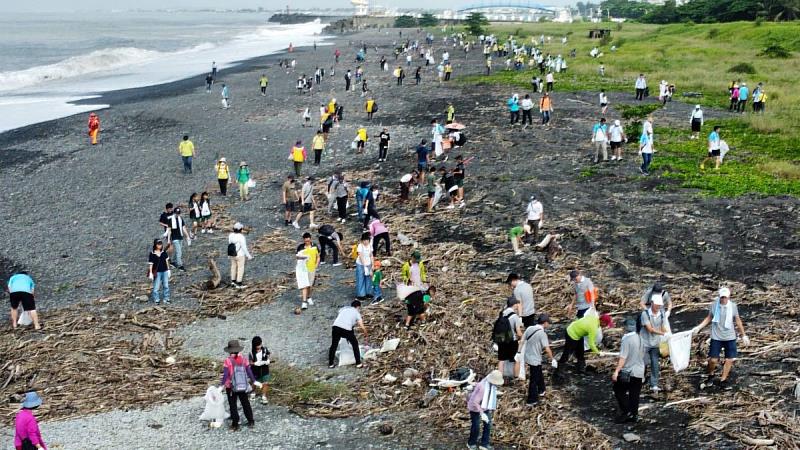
<point x="390" y="345"/>
<point x="723" y="149"/>
<point x="370" y="354"/>
<point x="508" y="368"/>
<point x="214" y="410"/>
<point x="403" y="290"/>
<point x="345" y="353"/>
<point x="680" y="350"/>
<point x="522" y="366"/>
<point x="456" y="378"/>
<point x="460" y="374"/>
<point x="251" y="183"/>
<point x="437" y="196"/>
<point x="24" y="319"/>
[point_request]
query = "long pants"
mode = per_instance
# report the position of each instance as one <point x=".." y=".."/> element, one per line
<point x="324" y="243"/>
<point x="600" y="147"/>
<point x="242" y="397"/>
<point x="734" y="104"/>
<point x="237" y="268"/>
<point x="298" y="166"/>
<point x="337" y="334"/>
<point x="187" y="164"/>
<point x="376" y="243"/>
<point x="243" y="191"/>
<point x="382" y="152"/>
<point x="534" y="224"/>
<point x="571" y="346"/>
<point x="647" y="158"/>
<point x="264" y="89"/>
<point x="317" y="155"/>
<point x="475" y="428"/>
<point x="653" y="354"/>
<point x="161" y="280"/>
<point x="514" y="117"/>
<point x="399" y="81"/>
<point x="347" y="85"/>
<point x="417" y="80"/>
<point x="341" y="206"/>
<point x="639" y="94"/>
<point x="177" y="244"/>
<point x="223" y="186"/>
<point x="549" y="86"/>
<point x="526" y="116"/>
<point x="371" y="212"/>
<point x="628" y="395"/>
<point x="535" y="383"/>
<point x="363" y="282"/>
<point x="545" y="117"/>
<point x="447" y="76"/>
<point x="741" y="105"/>
<point x="94" y="134"/>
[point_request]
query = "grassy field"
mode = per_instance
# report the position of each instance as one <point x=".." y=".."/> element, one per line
<point x="696" y="58"/>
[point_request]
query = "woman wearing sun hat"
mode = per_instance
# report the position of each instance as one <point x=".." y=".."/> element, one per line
<point x="26" y="426"/>
<point x="236" y="377"/>
<point x="481" y="405"/>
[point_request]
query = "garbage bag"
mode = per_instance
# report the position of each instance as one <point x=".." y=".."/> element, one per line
<point x="215" y="406"/>
<point x="680" y="350"/>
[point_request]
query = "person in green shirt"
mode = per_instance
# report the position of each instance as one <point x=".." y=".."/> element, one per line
<point x="243" y="177"/>
<point x="516" y="235"/>
<point x="430" y="183"/>
<point x="263" y="82"/>
<point x="377" y="282"/>
<point x="585" y="327"/>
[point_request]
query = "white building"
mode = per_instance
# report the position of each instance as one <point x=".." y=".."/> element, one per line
<point x="361" y="7"/>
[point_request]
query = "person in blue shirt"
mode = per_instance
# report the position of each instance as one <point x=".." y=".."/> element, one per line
<point x="513" y="108"/>
<point x="713" y="149"/>
<point x="423" y="160"/>
<point x="20" y="289"/>
<point x="744" y="91"/>
<point x="600" y="140"/>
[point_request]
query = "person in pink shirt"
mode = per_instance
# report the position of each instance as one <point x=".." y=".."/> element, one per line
<point x="379" y="233"/>
<point x="25" y="425"/>
<point x="482" y="403"/>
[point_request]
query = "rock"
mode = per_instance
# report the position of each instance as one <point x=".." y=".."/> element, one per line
<point x="631" y="437"/>
<point x="409" y="373"/>
<point x="389" y="378"/>
<point x="385" y="429"/>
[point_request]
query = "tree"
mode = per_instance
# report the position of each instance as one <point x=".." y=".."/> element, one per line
<point x="476" y="23"/>
<point x="405" y="22"/>
<point x="428" y="20"/>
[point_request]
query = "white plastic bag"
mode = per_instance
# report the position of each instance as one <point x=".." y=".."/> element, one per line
<point x="390" y="345"/>
<point x="251" y="183"/>
<point x="404" y="290"/>
<point x="437" y="196"/>
<point x="345" y="353"/>
<point x="25" y="319"/>
<point x="723" y="149"/>
<point x="680" y="350"/>
<point x="214" y="411"/>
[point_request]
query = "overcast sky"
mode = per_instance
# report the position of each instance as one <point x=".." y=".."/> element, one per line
<point x="68" y="5"/>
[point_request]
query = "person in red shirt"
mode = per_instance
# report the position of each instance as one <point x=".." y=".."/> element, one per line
<point x="94" y="127"/>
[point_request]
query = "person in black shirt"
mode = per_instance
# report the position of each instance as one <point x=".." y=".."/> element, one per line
<point x="158" y="270"/>
<point x="209" y="82"/>
<point x="449" y="182"/>
<point x="383" y="145"/>
<point x="178" y="231"/>
<point x="163" y="220"/>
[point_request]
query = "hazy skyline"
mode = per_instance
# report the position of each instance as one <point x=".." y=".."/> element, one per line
<point x="74" y="5"/>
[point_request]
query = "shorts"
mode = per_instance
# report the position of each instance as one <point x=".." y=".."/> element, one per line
<point x="507" y="352"/>
<point x="460" y="182"/>
<point x="696" y="126"/>
<point x="716" y="346"/>
<point x="603" y="105"/>
<point x="308" y="207"/>
<point x="415" y="310"/>
<point x="431" y="194"/>
<point x="266" y="378"/>
<point x="26" y="298"/>
<point x="713" y="152"/>
<point x="616" y="144"/>
<point x="204" y="219"/>
<point x="290" y="206"/>
<point x="326" y="128"/>
<point x="422" y="166"/>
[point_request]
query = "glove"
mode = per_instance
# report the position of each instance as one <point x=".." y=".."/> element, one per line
<point x="666" y="314"/>
<point x="484" y="417"/>
<point x="746" y="340"/>
<point x="257" y="384"/>
<point x="554" y="363"/>
<point x="169" y="274"/>
<point x="667" y="335"/>
<point x="695" y="330"/>
<point x="150" y="275"/>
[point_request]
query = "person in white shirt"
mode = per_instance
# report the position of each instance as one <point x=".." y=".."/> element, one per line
<point x="549" y="80"/>
<point x="600" y="140"/>
<point x="535" y="215"/>
<point x="663" y="92"/>
<point x="603" y="102"/>
<point x="343" y="327"/>
<point x="237" y="253"/>
<point x="641" y="85"/>
<point x="696" y="120"/>
<point x="527" y="107"/>
<point x="616" y="135"/>
<point x="364" y="267"/>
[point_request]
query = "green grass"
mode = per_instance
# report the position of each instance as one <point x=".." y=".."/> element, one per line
<point x="696" y="58"/>
<point x="292" y="386"/>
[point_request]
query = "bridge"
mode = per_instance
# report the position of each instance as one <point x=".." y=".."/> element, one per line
<point x="497" y="5"/>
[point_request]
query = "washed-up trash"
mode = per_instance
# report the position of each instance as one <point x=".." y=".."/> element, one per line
<point x="214" y="411"/>
<point x="345" y="353"/>
<point x="390" y="345"/>
<point x="389" y="378"/>
<point x="457" y="378"/>
<point x="429" y="396"/>
<point x="631" y="437"/>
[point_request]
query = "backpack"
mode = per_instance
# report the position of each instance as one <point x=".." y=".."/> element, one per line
<point x="639" y="325"/>
<point x="239" y="382"/>
<point x="502" y="332"/>
<point x="326" y="230"/>
<point x="232" y="249"/>
<point x="375" y="107"/>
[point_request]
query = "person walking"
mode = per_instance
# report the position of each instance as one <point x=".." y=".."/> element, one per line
<point x="341" y="192"/>
<point x="213" y="70"/>
<point x="585" y="293"/>
<point x="361" y="140"/>
<point x="298" y="155"/>
<point x="94" y="128"/>
<point x="209" y="82"/>
<point x="318" y="145"/>
<point x="617" y="138"/>
<point x="236" y="376"/>
<point x="523" y="292"/>
<point x="178" y="230"/>
<point x="364" y="267"/>
<point x="646" y="150"/>
<point x="20" y="290"/>
<point x="379" y="233"/>
<point x="545" y="108"/>
<point x="603" y="102"/>
<point x="371" y="107"/>
<point x="263" y="82"/>
<point x="26" y="428"/>
<point x="481" y="404"/>
<point x="308" y="204"/>
<point x="722" y="315"/>
<point x="290" y="199"/>
<point x="348" y="78"/>
<point x="696" y="121"/>
<point x="158" y="271"/>
<point x="330" y="238"/>
<point x="223" y="175"/>
<point x="383" y="144"/>
<point x="243" y="178"/>
<point x="714" y="152"/>
<point x="549" y="80"/>
<point x="377" y="283"/>
<point x="307" y="255"/>
<point x="344" y="328"/>
<point x="629" y="374"/>
<point x="585" y="327"/>
<point x="205" y="214"/>
<point x="641" y="86"/>
<point x="600" y="140"/>
<point x="535" y="342"/>
<point x="418" y="75"/>
<point x="238" y="253"/>
<point x="225" y="96"/>
<point x="370" y="209"/>
<point x="654" y="326"/>
<point x="508" y="344"/>
<point x="187" y="152"/>
<point x="744" y="92"/>
<point x="527" y="107"/>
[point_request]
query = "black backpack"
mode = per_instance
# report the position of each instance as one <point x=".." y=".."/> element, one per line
<point x="232" y="249"/>
<point x="639" y="325"/>
<point x="326" y="230"/>
<point x="502" y="332"/>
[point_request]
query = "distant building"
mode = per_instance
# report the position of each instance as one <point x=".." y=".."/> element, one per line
<point x="361" y="7"/>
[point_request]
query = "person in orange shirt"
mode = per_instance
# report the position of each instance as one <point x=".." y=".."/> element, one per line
<point x="94" y="127"/>
<point x="546" y="108"/>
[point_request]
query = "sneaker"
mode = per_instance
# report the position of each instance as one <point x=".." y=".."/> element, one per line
<point x="377" y="301"/>
<point x="234" y="427"/>
<point x="331" y="366"/>
<point x="182" y="268"/>
<point x="517" y="253"/>
<point x="234" y="285"/>
<point x="322" y="263"/>
<point x="304" y="305"/>
<point x="725" y="384"/>
<point x="310" y="302"/>
<point x="709" y="381"/>
<point x="336" y="264"/>
<point x="250" y="424"/>
<point x="359" y="365"/>
<point x="241" y="286"/>
<point x="296" y="225"/>
<point x="531" y="404"/>
<point x="632" y="418"/>
<point x="210" y="231"/>
<point x="472" y="447"/>
<point x="462" y="204"/>
<point x="264" y="400"/>
<point x="156" y="302"/>
<point x="451" y="206"/>
<point x="203" y="231"/>
<point x="313" y="225"/>
<point x="485" y="447"/>
<point x="655" y="389"/>
<point x="166" y="301"/>
<point x="613" y="158"/>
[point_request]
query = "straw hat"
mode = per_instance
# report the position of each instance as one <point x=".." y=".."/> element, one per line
<point x="233" y="346"/>
<point x="495" y="378"/>
<point x="243" y="163"/>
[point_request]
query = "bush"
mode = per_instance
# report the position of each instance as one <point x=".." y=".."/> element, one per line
<point x="776" y="51"/>
<point x="619" y="26"/>
<point x="712" y="33"/>
<point x="759" y="21"/>
<point x="743" y="68"/>
<point x="618" y="43"/>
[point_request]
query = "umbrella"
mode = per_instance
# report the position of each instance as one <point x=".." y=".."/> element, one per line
<point x="455" y="126"/>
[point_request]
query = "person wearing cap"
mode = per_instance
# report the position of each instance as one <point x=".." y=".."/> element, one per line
<point x="383" y="144"/>
<point x="290" y="199"/>
<point x="617" y="139"/>
<point x="239" y="243"/>
<point x="223" y="175"/>
<point x="534" y="216"/>
<point x="26" y="427"/>
<point x="186" y="150"/>
<point x="722" y="314"/>
<point x="298" y="155"/>
<point x="417" y="304"/>
<point x="654" y="326"/>
<point x="657" y="288"/>
<point x="307" y="256"/>
<point x="236" y="372"/>
<point x="600" y="140"/>
<point x="696" y="121"/>
<point x="744" y="91"/>
<point x="482" y="403"/>
<point x="309" y="205"/>
<point x="243" y="177"/>
<point x="524" y="293"/>
<point x="585" y="327"/>
<point x="158" y="271"/>
<point x="629" y="374"/>
<point x="508" y="352"/>
<point x="344" y="328"/>
<point x="535" y="341"/>
<point x="585" y="293"/>
<point x="178" y="231"/>
<point x="413" y="271"/>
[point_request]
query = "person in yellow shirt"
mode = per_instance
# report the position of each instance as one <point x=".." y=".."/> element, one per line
<point x="307" y="255"/>
<point x="298" y="156"/>
<point x="186" y="150"/>
<point x="318" y="144"/>
<point x="223" y="175"/>
<point x="371" y="107"/>
<point x="263" y="82"/>
<point x="361" y="139"/>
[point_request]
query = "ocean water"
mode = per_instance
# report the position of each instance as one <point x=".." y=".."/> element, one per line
<point x="48" y="61"/>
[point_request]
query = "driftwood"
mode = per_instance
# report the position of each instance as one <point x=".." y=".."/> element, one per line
<point x="216" y="278"/>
